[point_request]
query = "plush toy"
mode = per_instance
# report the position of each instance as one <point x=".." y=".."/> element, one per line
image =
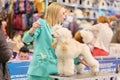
<point x="67" y="49"/>
<point x="78" y="13"/>
<point x="102" y="4"/>
<point x="87" y="3"/>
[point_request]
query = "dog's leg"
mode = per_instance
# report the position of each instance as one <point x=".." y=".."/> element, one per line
<point x="95" y="69"/>
<point x="60" y="67"/>
<point x="90" y="60"/>
<point x="69" y="67"/>
<point x="80" y="68"/>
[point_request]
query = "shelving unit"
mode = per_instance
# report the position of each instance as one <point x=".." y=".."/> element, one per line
<point x="96" y="8"/>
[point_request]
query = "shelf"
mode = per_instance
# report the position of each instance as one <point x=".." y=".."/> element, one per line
<point x="82" y="7"/>
<point x="86" y="18"/>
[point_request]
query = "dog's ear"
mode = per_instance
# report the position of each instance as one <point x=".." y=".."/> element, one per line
<point x="54" y="44"/>
<point x="78" y="37"/>
<point x="64" y="46"/>
<point x="87" y="36"/>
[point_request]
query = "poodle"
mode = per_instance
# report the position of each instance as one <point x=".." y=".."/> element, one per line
<point x="67" y="49"/>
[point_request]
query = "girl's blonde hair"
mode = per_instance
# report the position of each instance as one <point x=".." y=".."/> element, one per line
<point x="52" y="13"/>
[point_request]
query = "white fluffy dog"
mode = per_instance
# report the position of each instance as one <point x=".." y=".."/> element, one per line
<point x="67" y="49"/>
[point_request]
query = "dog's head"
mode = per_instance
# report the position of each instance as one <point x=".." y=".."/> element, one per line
<point x="60" y="33"/>
<point x="84" y="36"/>
<point x="87" y="36"/>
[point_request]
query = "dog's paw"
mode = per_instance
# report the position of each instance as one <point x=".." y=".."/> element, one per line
<point x="61" y="75"/>
<point x="79" y="72"/>
<point x="68" y="75"/>
<point x="94" y="73"/>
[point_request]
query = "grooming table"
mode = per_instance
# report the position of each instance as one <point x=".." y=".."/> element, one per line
<point x="108" y="67"/>
<point x="87" y="76"/>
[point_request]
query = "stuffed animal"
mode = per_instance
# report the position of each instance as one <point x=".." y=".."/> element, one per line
<point x="67" y="49"/>
<point x="102" y="4"/>
<point x="87" y="3"/>
<point x="78" y="13"/>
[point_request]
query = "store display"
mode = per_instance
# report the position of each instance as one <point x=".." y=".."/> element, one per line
<point x="21" y="14"/>
<point x="78" y="13"/>
<point x="94" y="14"/>
<point x="112" y="12"/>
<point x="73" y="1"/>
<point x="102" y="12"/>
<point x="87" y="3"/>
<point x="67" y="1"/>
<point x="86" y="13"/>
<point x="96" y="8"/>
<point x="102" y="4"/>
<point x="40" y="5"/>
<point x="115" y="6"/>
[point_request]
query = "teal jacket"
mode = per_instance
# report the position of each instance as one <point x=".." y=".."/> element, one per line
<point x="44" y="60"/>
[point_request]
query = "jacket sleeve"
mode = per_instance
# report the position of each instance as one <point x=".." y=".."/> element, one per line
<point x="5" y="51"/>
<point x="29" y="38"/>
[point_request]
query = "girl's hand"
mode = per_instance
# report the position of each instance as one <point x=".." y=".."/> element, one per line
<point x="34" y="27"/>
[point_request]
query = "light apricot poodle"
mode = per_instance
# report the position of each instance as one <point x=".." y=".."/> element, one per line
<point x="67" y="49"/>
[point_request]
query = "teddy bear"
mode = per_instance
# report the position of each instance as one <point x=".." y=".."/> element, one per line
<point x="67" y="49"/>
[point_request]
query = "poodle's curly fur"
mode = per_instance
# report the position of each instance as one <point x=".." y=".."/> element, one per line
<point x="67" y="49"/>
